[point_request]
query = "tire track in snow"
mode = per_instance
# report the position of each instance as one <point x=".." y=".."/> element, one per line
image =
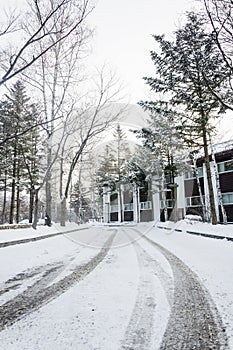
<point x="35" y="297"/>
<point x="194" y="321"/>
<point x="138" y="335"/>
<point x="164" y="277"/>
<point x="45" y="273"/>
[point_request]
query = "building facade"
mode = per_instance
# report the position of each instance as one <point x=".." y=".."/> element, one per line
<point x="222" y="179"/>
<point x="188" y="195"/>
<point x="192" y="194"/>
<point x="127" y="204"/>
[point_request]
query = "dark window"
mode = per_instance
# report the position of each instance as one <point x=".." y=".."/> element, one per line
<point x="226" y="166"/>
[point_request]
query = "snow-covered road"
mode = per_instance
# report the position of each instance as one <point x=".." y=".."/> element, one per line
<point x="125" y="287"/>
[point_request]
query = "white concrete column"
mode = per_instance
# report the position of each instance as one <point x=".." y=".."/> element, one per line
<point x="106" y="203"/>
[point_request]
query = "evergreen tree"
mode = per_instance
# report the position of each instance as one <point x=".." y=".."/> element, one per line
<point x="113" y="169"/>
<point x="122" y="155"/>
<point x="20" y="163"/>
<point x="18" y="100"/>
<point x="5" y="157"/>
<point x="137" y="174"/>
<point x="80" y="203"/>
<point x="32" y="155"/>
<point x="181" y="67"/>
<point x="121" y="152"/>
<point x="163" y="139"/>
<point x="113" y="164"/>
<point x="165" y="156"/>
<point x="106" y="172"/>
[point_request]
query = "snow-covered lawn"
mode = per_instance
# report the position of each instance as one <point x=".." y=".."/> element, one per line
<point x="95" y="313"/>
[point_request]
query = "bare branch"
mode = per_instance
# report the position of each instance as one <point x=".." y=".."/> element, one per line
<point x="25" y="131"/>
<point x="97" y="118"/>
<point x="40" y="34"/>
<point x="220" y="18"/>
<point x="11" y="21"/>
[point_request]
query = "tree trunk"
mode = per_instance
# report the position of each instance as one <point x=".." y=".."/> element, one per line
<point x="31" y="205"/>
<point x="220" y="199"/>
<point x="174" y="214"/>
<point x="205" y="216"/>
<point x="163" y="195"/>
<point x="13" y="188"/>
<point x="209" y="180"/>
<point x="18" y="196"/>
<point x="3" y="214"/>
<point x="36" y="201"/>
<point x="48" y="191"/>
<point x="17" y="217"/>
<point x="63" y="212"/>
<point x="121" y="204"/>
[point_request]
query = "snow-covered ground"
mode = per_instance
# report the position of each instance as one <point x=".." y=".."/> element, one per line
<point x="211" y="259"/>
<point x="96" y="311"/>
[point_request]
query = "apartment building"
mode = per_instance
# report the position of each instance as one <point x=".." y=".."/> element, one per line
<point x="173" y="201"/>
<point x="129" y="203"/>
<point x="192" y="194"/>
<point x="222" y="179"/>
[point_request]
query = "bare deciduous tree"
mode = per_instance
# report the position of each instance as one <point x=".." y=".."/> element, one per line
<point x="220" y="17"/>
<point x="95" y="117"/>
<point x="39" y="36"/>
<point x="56" y="75"/>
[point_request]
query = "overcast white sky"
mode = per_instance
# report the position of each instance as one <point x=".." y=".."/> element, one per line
<point x="123" y="36"/>
<point x="123" y="30"/>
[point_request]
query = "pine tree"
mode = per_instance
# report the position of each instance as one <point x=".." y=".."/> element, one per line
<point x="80" y="203"/>
<point x="113" y="168"/>
<point x="138" y="173"/>
<point x="18" y="101"/>
<point x="122" y="152"/>
<point x="21" y="151"/>
<point x="165" y="155"/>
<point x="113" y="164"/>
<point x="181" y="70"/>
<point x="5" y="158"/>
<point x="106" y="170"/>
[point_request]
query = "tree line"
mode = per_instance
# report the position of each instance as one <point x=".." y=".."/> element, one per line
<point x="45" y="133"/>
<point x="52" y="109"/>
<point x="191" y="88"/>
